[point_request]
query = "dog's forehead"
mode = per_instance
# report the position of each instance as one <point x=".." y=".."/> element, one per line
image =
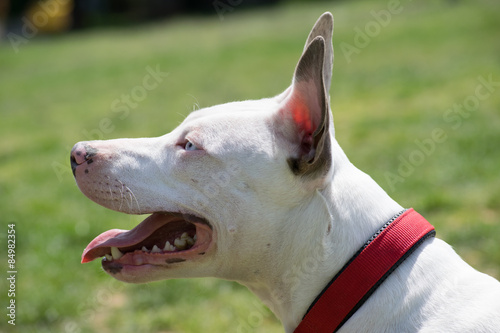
<point x="234" y="114"/>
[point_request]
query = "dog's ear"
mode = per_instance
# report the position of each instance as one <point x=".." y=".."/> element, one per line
<point x="324" y="28"/>
<point x="303" y="118"/>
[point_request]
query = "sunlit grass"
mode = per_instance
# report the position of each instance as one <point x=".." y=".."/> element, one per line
<point x="56" y="91"/>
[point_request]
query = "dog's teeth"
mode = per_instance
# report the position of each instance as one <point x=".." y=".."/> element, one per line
<point x="108" y="257"/>
<point x="116" y="253"/>
<point x="145" y="249"/>
<point x="180" y="243"/>
<point x="194" y="238"/>
<point x="168" y="247"/>
<point x="187" y="238"/>
<point x="155" y="249"/>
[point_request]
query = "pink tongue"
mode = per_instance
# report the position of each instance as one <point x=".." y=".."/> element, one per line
<point x="123" y="238"/>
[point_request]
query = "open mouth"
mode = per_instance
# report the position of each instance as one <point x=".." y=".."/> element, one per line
<point x="161" y="239"/>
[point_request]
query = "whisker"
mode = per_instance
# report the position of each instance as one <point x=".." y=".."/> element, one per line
<point x="133" y="198"/>
<point x="122" y="197"/>
<point x="196" y="105"/>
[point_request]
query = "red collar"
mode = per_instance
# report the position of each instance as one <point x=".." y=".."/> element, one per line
<point x="365" y="271"/>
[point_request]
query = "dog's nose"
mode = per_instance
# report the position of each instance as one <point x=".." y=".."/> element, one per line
<point x="80" y="154"/>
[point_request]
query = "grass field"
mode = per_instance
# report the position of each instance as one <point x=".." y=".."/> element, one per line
<point x="412" y="107"/>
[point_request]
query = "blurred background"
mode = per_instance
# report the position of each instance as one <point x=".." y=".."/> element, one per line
<point x="415" y="98"/>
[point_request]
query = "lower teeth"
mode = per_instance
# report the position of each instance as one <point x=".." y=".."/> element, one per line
<point x="181" y="243"/>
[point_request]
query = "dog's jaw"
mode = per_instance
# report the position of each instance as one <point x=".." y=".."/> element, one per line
<point x="160" y="241"/>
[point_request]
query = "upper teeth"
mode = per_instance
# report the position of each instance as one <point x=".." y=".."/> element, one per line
<point x="180" y="243"/>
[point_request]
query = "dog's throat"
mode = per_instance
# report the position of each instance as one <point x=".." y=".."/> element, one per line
<point x="365" y="272"/>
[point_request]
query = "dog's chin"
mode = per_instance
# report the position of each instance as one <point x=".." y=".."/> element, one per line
<point x="146" y="273"/>
<point x="163" y="241"/>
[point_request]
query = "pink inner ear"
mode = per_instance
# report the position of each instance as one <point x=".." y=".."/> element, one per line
<point x="304" y="107"/>
<point x="298" y="113"/>
<point x="301" y="116"/>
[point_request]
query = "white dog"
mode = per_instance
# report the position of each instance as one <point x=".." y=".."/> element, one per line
<point x="261" y="193"/>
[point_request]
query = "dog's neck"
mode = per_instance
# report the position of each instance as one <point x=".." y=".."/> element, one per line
<point x="349" y="210"/>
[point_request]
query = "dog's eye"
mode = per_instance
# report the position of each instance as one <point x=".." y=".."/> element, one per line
<point x="189" y="146"/>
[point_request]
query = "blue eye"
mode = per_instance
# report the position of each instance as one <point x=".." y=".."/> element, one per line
<point x="189" y="146"/>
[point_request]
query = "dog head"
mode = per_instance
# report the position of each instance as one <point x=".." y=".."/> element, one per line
<point x="223" y="187"/>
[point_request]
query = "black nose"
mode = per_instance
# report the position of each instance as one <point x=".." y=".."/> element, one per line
<point x="80" y="154"/>
<point x="73" y="164"/>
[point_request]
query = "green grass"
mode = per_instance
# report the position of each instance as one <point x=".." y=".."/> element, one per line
<point x="395" y="91"/>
